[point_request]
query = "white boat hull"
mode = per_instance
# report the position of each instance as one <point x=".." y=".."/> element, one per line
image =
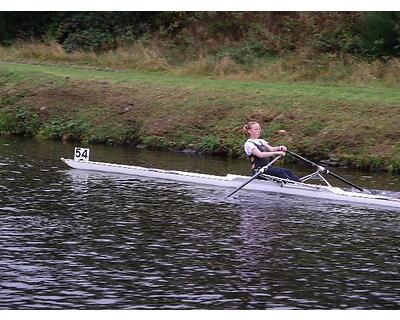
<point x="234" y="181"/>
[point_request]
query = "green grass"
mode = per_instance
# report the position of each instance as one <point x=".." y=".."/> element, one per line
<point x="264" y="90"/>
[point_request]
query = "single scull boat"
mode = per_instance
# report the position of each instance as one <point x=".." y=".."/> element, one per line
<point x="270" y="184"/>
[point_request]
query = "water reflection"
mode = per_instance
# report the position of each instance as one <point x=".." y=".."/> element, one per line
<point x="322" y="256"/>
<point x="71" y="239"/>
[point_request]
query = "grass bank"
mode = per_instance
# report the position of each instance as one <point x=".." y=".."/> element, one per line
<point x="352" y="124"/>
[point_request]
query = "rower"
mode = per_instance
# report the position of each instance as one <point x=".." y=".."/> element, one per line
<point x="260" y="153"/>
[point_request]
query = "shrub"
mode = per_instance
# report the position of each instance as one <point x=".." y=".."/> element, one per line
<point x="7" y="122"/>
<point x="21" y="122"/>
<point x="89" y="40"/>
<point x="154" y="142"/>
<point x="111" y="134"/>
<point x="248" y="51"/>
<point x="210" y="143"/>
<point x="52" y="130"/>
<point x="72" y="129"/>
<point x="77" y="128"/>
<point x="380" y="34"/>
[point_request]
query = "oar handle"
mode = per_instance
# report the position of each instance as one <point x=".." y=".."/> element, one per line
<point x="255" y="176"/>
<point x="305" y="160"/>
<point x="324" y="170"/>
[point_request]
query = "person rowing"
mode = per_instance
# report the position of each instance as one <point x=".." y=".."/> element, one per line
<point x="260" y="153"/>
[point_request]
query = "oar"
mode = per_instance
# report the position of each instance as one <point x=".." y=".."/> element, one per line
<point x="324" y="170"/>
<point x="255" y="176"/>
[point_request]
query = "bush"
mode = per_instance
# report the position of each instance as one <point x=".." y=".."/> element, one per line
<point x="115" y="132"/>
<point x="21" y="122"/>
<point x="78" y="128"/>
<point x="248" y="52"/>
<point x="210" y="143"/>
<point x="89" y="40"/>
<point x="102" y="31"/>
<point x="52" y="130"/>
<point x="7" y="122"/>
<point x="154" y="142"/>
<point x="380" y="34"/>
<point x="73" y="129"/>
<point x="242" y="36"/>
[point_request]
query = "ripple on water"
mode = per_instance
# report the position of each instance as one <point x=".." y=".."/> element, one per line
<point x="79" y="240"/>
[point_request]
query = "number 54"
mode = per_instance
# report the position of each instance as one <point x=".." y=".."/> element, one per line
<point x="81" y="154"/>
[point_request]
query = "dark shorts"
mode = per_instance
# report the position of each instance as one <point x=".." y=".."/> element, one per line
<point x="281" y="173"/>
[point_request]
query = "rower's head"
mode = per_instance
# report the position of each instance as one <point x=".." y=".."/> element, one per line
<point x="252" y="130"/>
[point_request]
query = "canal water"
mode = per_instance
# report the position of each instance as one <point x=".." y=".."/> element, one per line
<point x="72" y="239"/>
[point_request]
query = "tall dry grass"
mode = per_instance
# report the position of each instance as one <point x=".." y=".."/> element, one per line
<point x="135" y="57"/>
<point x="303" y="65"/>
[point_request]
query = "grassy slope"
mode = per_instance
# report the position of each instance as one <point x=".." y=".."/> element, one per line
<point x="359" y="125"/>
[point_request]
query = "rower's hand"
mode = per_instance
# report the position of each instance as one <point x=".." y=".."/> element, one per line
<point x="280" y="153"/>
<point x="282" y="148"/>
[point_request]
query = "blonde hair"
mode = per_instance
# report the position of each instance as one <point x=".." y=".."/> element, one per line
<point x="247" y="127"/>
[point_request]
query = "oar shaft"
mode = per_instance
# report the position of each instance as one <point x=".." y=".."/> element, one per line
<point x="344" y="180"/>
<point x="302" y="158"/>
<point x="247" y="182"/>
<point x="255" y="176"/>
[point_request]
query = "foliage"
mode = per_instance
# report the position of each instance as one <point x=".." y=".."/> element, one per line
<point x="80" y="128"/>
<point x="115" y="133"/>
<point x="7" y="122"/>
<point x="21" y="122"/>
<point x="52" y="129"/>
<point x="248" y="52"/>
<point x="380" y="34"/>
<point x="72" y="129"/>
<point x="210" y="143"/>
<point x="244" y="37"/>
<point x="154" y="142"/>
<point x="99" y="31"/>
<point x="25" y="25"/>
<point x="77" y="128"/>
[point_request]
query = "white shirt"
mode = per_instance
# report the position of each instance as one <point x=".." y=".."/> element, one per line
<point x="249" y="145"/>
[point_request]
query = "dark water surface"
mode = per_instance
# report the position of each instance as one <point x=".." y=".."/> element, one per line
<point x="71" y="239"/>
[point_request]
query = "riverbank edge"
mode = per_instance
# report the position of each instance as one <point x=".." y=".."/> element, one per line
<point x="195" y="115"/>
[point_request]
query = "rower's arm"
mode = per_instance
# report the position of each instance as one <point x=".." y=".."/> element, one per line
<point x="269" y="154"/>
<point x="274" y="149"/>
